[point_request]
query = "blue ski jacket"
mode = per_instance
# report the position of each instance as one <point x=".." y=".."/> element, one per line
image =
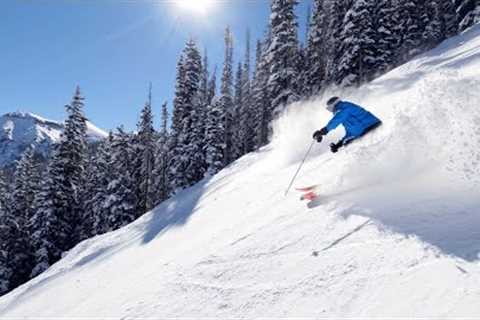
<point x="354" y="118"/>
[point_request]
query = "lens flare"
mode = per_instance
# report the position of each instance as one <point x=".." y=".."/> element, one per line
<point x="201" y="7"/>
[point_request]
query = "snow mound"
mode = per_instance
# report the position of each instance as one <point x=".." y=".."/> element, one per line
<point x="19" y="130"/>
<point x="395" y="233"/>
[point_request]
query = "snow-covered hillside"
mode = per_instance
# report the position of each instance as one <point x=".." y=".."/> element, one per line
<point x="396" y="232"/>
<point x="19" y="130"/>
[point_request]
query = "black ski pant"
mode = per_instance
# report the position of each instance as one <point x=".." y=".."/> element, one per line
<point x="369" y="129"/>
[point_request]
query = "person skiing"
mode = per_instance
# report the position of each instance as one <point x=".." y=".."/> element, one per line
<point x="356" y="120"/>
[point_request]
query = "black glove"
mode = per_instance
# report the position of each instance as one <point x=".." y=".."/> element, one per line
<point x="335" y="146"/>
<point x="318" y="135"/>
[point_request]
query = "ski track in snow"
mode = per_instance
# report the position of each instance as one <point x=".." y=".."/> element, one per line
<point x="396" y="232"/>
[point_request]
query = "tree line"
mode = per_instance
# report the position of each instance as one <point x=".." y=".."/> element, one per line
<point x="87" y="190"/>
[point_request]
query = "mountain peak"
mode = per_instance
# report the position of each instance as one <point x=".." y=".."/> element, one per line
<point x="20" y="129"/>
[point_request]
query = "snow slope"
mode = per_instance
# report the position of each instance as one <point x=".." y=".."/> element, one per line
<point x="19" y="130"/>
<point x="395" y="234"/>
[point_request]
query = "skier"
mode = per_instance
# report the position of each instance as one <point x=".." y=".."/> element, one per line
<point x="356" y="120"/>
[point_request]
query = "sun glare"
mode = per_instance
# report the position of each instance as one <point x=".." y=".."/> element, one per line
<point x="195" y="6"/>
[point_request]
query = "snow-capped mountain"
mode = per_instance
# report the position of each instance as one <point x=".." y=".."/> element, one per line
<point x="395" y="232"/>
<point x="18" y="130"/>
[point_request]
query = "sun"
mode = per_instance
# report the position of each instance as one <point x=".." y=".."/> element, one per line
<point x="195" y="6"/>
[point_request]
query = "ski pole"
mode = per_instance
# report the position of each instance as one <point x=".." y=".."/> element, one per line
<point x="300" y="167"/>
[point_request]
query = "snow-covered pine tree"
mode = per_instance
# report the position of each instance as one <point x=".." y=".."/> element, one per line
<point x="246" y="112"/>
<point x="468" y="13"/>
<point x="283" y="51"/>
<point x="4" y="193"/>
<point x="316" y="50"/>
<point x="215" y="137"/>
<point x="100" y="172"/>
<point x="7" y="241"/>
<point x="120" y="203"/>
<point x="178" y="102"/>
<point x="145" y="150"/>
<point x="450" y="18"/>
<point x="25" y="185"/>
<point x="237" y="125"/>
<point x="358" y="61"/>
<point x="387" y="35"/>
<point x="89" y="204"/>
<point x="433" y="32"/>
<point x="6" y="270"/>
<point x="411" y="26"/>
<point x="201" y="110"/>
<point x="72" y="153"/>
<point x="193" y="160"/>
<point x="226" y="98"/>
<point x="260" y="95"/>
<point x="212" y="86"/>
<point x="205" y="77"/>
<point x="336" y="11"/>
<point x="176" y="132"/>
<point x="308" y="21"/>
<point x="187" y="160"/>
<point x="161" y="190"/>
<point x="56" y="224"/>
<point x="50" y="227"/>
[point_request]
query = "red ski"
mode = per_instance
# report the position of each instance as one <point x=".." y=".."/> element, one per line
<point x="309" y="193"/>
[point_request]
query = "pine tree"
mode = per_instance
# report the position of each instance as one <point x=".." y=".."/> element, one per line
<point x="176" y="134"/>
<point x="99" y="174"/>
<point x="388" y="36"/>
<point x="358" y="60"/>
<point x="434" y="32"/>
<point x="412" y="24"/>
<point x="56" y="225"/>
<point x="468" y="13"/>
<point x="161" y="184"/>
<point x="236" y="114"/>
<point x="215" y="138"/>
<point x="89" y="204"/>
<point x="178" y="102"/>
<point x="194" y="126"/>
<point x="204" y="82"/>
<point x="212" y="86"/>
<point x="282" y="55"/>
<point x="4" y="193"/>
<point x="260" y="96"/>
<point x="145" y="150"/>
<point x="187" y="160"/>
<point x="246" y="118"/>
<point x="72" y="154"/>
<point x="336" y="11"/>
<point x="308" y="21"/>
<point x="316" y="50"/>
<point x="6" y="270"/>
<point x="25" y="185"/>
<point x="226" y="98"/>
<point x="50" y="227"/>
<point x="120" y="202"/>
<point x="450" y="18"/>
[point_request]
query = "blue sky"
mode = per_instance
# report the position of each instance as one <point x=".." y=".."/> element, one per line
<point x="112" y="49"/>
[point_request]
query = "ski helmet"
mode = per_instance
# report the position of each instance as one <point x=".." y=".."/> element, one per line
<point x="332" y="103"/>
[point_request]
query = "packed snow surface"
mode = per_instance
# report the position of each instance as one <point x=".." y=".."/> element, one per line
<point x="395" y="233"/>
<point x="19" y="130"/>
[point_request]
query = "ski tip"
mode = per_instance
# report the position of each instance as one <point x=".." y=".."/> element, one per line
<point x="305" y="189"/>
